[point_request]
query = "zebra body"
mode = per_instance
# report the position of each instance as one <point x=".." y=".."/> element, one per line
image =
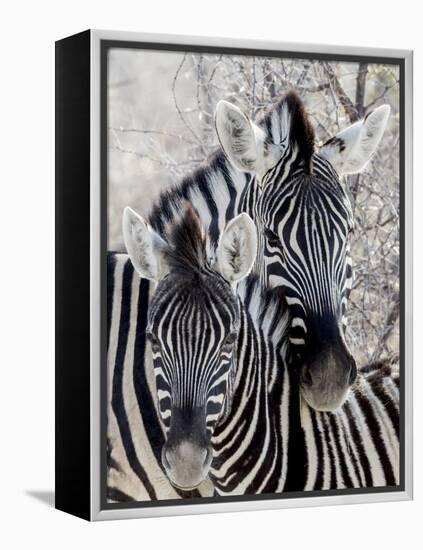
<point x="273" y="441"/>
<point x="358" y="445"/>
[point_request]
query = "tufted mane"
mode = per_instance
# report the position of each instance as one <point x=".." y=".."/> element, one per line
<point x="301" y="133"/>
<point x="187" y="244"/>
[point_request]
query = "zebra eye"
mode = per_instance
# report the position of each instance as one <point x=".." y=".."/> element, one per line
<point x="230" y="339"/>
<point x="152" y="338"/>
<point x="271" y="236"/>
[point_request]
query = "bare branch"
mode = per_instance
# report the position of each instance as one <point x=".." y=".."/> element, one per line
<point x="346" y="102"/>
<point x="381" y="95"/>
<point x="178" y="109"/>
<point x="360" y="90"/>
<point x="156" y="132"/>
<point x="155" y="160"/>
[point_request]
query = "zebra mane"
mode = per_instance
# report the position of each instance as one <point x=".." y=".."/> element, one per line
<point x="204" y="180"/>
<point x="186" y="252"/>
<point x="288" y="118"/>
<point x="285" y="118"/>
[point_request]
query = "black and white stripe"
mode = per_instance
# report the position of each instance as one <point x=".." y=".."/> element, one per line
<point x="268" y="439"/>
<point x="272" y="441"/>
<point x="214" y="191"/>
<point x="277" y="441"/>
<point x="305" y="223"/>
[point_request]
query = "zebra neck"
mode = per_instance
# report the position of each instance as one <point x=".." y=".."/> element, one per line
<point x="355" y="446"/>
<point x="214" y="190"/>
<point x="248" y="443"/>
<point x="267" y="312"/>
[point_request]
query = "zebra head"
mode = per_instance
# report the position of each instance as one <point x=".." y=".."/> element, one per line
<point x="193" y="323"/>
<point x="304" y="219"/>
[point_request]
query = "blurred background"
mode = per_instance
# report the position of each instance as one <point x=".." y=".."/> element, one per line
<point x="160" y="127"/>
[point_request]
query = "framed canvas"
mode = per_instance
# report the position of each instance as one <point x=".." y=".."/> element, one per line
<point x="233" y="275"/>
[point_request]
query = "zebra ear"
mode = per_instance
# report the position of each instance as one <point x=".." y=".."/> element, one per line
<point x="351" y="149"/>
<point x="241" y="140"/>
<point x="145" y="247"/>
<point x="237" y="248"/>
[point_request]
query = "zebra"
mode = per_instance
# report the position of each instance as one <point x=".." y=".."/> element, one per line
<point x="135" y="434"/>
<point x="229" y="403"/>
<point x="304" y="221"/>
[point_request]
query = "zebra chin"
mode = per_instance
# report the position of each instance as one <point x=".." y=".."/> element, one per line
<point x="326" y="381"/>
<point x="186" y="464"/>
<point x="321" y="403"/>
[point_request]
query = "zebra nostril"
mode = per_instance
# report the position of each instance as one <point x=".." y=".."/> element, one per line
<point x="353" y="372"/>
<point x="307" y="378"/>
<point x="208" y="458"/>
<point x="165" y="460"/>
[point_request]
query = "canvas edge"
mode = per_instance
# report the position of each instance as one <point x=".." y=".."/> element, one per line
<point x="72" y="301"/>
<point x="227" y="42"/>
<point x="408" y="267"/>
<point x="95" y="271"/>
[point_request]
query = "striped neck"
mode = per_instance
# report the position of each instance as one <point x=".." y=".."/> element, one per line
<point x="213" y="190"/>
<point x="251" y="429"/>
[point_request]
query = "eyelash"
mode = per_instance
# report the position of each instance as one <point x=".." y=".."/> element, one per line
<point x="152" y="339"/>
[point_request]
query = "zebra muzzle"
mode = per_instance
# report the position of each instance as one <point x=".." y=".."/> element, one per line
<point x="186" y="464"/>
<point x="326" y="380"/>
